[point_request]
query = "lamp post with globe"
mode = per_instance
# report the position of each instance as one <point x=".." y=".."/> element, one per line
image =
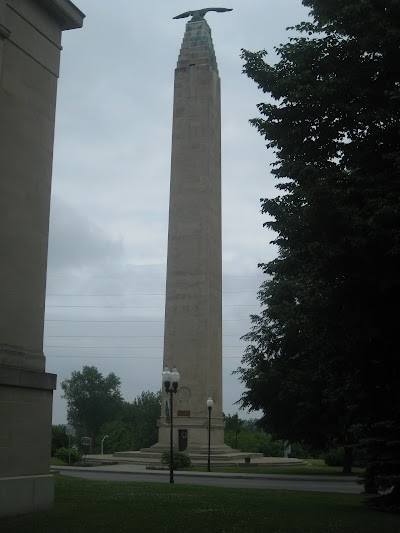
<point x="170" y="381"/>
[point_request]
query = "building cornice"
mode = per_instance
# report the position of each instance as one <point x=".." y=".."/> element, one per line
<point x="67" y="14"/>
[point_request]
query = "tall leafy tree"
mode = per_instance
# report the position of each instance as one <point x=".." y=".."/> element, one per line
<point x="322" y="360"/>
<point x="142" y="415"/>
<point x="92" y="399"/>
<point x="137" y="426"/>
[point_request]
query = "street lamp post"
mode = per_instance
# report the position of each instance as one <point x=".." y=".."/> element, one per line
<point x="171" y="380"/>
<point x="102" y="443"/>
<point x="210" y="404"/>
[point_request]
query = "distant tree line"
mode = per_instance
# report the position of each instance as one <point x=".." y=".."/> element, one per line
<point x="96" y="408"/>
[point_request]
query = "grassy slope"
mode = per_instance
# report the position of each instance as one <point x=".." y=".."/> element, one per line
<point x="101" y="506"/>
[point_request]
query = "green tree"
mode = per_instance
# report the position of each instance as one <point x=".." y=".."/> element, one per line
<point x="142" y="415"/>
<point x="58" y="438"/>
<point x="233" y="425"/>
<point x="92" y="400"/>
<point x="137" y="426"/>
<point x="322" y="360"/>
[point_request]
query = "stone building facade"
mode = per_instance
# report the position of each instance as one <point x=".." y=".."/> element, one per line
<point x="30" y="46"/>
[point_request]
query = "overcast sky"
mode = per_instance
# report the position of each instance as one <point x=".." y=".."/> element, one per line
<point x="109" y="212"/>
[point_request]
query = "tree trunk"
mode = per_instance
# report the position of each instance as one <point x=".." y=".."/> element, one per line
<point x="347" y="460"/>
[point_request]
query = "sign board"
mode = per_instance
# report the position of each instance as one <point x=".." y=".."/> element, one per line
<point x="183" y="413"/>
<point x="70" y="431"/>
<point x="85" y="441"/>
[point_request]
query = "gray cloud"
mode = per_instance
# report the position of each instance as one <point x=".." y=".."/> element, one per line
<point x="75" y="242"/>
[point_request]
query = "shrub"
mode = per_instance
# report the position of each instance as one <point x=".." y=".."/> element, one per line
<point x="255" y="442"/>
<point x="300" y="451"/>
<point x="180" y="459"/>
<point x="334" y="456"/>
<point x="63" y="454"/>
<point x="58" y="438"/>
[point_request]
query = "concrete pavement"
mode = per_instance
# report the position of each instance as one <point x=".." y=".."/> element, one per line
<point x="134" y="472"/>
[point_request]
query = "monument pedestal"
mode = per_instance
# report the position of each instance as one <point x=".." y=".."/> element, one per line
<point x="191" y="434"/>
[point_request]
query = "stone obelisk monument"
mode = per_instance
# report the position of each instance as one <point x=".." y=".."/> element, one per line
<point x="193" y="309"/>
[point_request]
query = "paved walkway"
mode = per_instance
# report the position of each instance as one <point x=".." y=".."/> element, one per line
<point x="135" y="468"/>
<point x="134" y="472"/>
<point x="215" y="460"/>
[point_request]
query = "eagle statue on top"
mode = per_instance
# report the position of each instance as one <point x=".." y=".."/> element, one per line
<point x="198" y="14"/>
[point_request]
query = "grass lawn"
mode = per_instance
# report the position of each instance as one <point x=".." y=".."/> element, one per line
<point x="315" y="467"/>
<point x="108" y="506"/>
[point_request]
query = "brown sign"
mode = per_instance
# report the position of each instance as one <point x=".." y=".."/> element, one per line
<point x="183" y="413"/>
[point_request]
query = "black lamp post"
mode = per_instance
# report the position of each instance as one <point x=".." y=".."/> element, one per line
<point x="210" y="404"/>
<point x="171" y="380"/>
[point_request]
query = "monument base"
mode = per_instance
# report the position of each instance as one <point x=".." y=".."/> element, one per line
<point x="220" y="456"/>
<point x="191" y="433"/>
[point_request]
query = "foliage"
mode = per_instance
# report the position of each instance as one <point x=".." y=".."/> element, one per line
<point x="180" y="459"/>
<point x="248" y="436"/>
<point x="64" y="454"/>
<point x="233" y="422"/>
<point x="92" y="399"/>
<point x="321" y="361"/>
<point x="137" y="426"/>
<point x="334" y="456"/>
<point x="142" y="415"/>
<point x="120" y="436"/>
<point x="100" y="506"/>
<point x="255" y="443"/>
<point x="311" y="467"/>
<point x="300" y="450"/>
<point x="251" y="425"/>
<point x="58" y="438"/>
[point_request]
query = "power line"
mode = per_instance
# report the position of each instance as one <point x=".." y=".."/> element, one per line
<point x="112" y="336"/>
<point x="130" y="306"/>
<point x="127" y="321"/>
<point x="136" y="293"/>
<point x="118" y="357"/>
<point x="121" y="347"/>
<point x="110" y="276"/>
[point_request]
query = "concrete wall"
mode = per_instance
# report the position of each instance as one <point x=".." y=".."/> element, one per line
<point x="30" y="45"/>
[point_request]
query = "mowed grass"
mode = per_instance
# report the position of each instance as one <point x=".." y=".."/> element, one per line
<point x="108" y="506"/>
<point x="315" y="467"/>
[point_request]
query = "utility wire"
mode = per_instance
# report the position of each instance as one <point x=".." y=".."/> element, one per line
<point x="131" y="306"/>
<point x="120" y="347"/>
<point x="136" y="293"/>
<point x="109" y="276"/>
<point x="127" y="321"/>
<point x="118" y="357"/>
<point x="113" y="336"/>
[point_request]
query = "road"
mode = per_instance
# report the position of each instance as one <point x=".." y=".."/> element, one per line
<point x="276" y="482"/>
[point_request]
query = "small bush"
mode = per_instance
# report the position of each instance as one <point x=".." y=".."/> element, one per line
<point x="299" y="451"/>
<point x="63" y="454"/>
<point x="334" y="456"/>
<point x="180" y="459"/>
<point x="58" y="438"/>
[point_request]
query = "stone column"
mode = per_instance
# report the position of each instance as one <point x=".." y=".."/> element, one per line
<point x="193" y="316"/>
<point x="30" y="45"/>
